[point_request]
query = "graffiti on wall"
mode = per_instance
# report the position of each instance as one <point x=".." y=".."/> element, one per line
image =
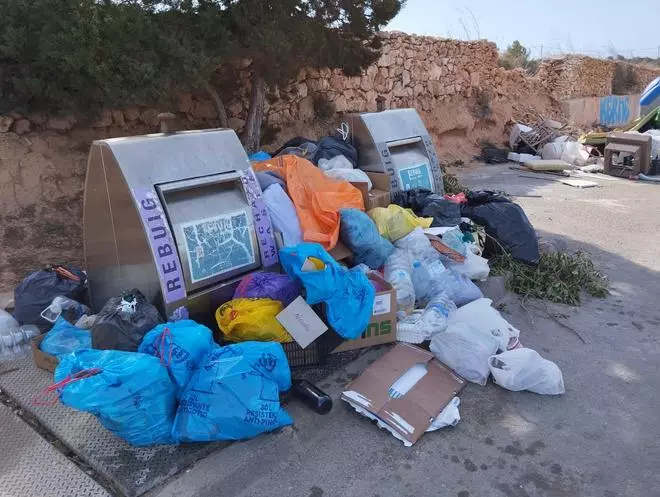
<point x="615" y="110"/>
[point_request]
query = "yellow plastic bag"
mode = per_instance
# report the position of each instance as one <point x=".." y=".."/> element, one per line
<point x="242" y="320"/>
<point x="395" y="222"/>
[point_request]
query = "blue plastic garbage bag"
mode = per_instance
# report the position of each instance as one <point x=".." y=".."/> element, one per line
<point x="348" y="294"/>
<point x="235" y="394"/>
<point x="360" y="234"/>
<point x="181" y="346"/>
<point x="64" y="338"/>
<point x="132" y="395"/>
<point x="259" y="156"/>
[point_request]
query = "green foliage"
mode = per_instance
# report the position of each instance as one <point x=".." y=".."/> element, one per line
<point x="516" y="55"/>
<point x="559" y="277"/>
<point x="452" y="184"/>
<point x="80" y="55"/>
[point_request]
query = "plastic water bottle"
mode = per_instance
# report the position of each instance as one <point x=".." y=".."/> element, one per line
<point x="421" y="281"/>
<point x="15" y="342"/>
<point x="398" y="275"/>
<point x="439" y="309"/>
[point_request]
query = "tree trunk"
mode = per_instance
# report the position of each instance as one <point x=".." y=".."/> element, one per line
<point x="255" y="117"/>
<point x="217" y="103"/>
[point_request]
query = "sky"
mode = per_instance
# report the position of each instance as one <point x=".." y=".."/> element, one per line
<point x="546" y="28"/>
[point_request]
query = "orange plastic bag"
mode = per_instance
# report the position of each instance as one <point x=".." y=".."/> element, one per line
<point x="316" y="197"/>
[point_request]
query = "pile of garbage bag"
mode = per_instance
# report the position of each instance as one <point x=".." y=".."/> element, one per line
<point x="152" y="380"/>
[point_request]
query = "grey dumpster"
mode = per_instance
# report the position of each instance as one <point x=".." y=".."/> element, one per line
<point x="396" y="142"/>
<point x="175" y="216"/>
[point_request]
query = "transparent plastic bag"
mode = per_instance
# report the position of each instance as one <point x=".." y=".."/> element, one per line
<point x="350" y="175"/>
<point x="460" y="289"/>
<point x="525" y="369"/>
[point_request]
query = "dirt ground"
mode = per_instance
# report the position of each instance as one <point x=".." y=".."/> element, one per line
<point x="600" y="439"/>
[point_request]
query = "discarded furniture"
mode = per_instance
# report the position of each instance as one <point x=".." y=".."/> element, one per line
<point x="627" y="154"/>
<point x="396" y="143"/>
<point x="172" y="214"/>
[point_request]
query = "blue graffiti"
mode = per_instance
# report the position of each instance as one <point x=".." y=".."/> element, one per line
<point x="614" y="110"/>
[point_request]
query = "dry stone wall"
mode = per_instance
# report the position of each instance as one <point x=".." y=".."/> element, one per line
<point x="578" y="76"/>
<point x="458" y="88"/>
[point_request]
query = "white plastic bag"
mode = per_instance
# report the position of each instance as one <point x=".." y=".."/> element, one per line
<point x="283" y="215"/>
<point x="525" y="369"/>
<point x="449" y="416"/>
<point x="474" y="267"/>
<point x="465" y="351"/>
<point x="355" y="175"/>
<point x="481" y="317"/>
<point x="337" y="162"/>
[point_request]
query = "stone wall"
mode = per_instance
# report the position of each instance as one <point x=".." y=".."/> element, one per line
<point x="458" y="88"/>
<point x="579" y="76"/>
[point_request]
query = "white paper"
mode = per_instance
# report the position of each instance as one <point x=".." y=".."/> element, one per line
<point x="300" y="320"/>
<point x="382" y="304"/>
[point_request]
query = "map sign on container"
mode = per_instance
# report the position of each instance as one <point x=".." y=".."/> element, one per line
<point x="219" y="244"/>
<point x="416" y="177"/>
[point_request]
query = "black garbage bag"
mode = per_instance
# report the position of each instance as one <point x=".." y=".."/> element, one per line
<point x="331" y="146"/>
<point x="293" y="142"/>
<point x="38" y="289"/>
<point x="123" y="322"/>
<point x="428" y="204"/>
<point x="504" y="221"/>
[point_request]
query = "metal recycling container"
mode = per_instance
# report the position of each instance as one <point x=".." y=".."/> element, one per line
<point x="396" y="142"/>
<point x="175" y="215"/>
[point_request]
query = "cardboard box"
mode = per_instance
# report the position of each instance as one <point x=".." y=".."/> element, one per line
<point x="380" y="195"/>
<point x="408" y="416"/>
<point x="41" y="359"/>
<point x="382" y="327"/>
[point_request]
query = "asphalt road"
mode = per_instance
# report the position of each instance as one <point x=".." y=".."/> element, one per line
<point x="600" y="439"/>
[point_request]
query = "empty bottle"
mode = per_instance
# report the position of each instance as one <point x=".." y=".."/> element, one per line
<point x="15" y="342"/>
<point x="421" y="281"/>
<point x="398" y="275"/>
<point x="313" y="396"/>
<point x="439" y="309"/>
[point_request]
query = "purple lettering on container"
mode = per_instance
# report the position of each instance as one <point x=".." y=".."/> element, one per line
<point x="264" y="229"/>
<point x="162" y="245"/>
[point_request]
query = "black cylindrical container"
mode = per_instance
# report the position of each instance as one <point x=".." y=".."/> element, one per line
<point x="313" y="396"/>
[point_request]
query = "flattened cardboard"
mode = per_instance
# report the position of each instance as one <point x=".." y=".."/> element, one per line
<point x="41" y="359"/>
<point x="411" y="414"/>
<point x="300" y="320"/>
<point x="382" y="327"/>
